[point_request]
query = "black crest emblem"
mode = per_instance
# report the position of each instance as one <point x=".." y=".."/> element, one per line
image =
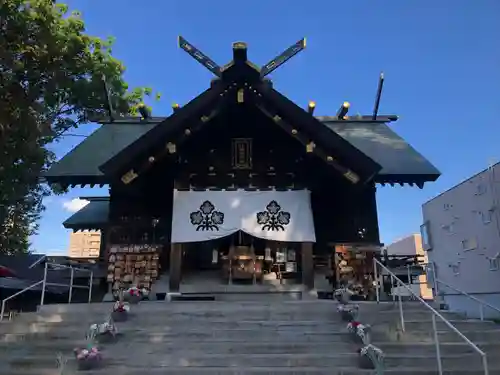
<point x="207" y="218"/>
<point x="273" y="218"/>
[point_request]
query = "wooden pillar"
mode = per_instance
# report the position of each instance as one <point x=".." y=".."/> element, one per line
<point x="307" y="265"/>
<point x="175" y="267"/>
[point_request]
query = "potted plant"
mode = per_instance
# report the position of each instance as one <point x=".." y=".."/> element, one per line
<point x="89" y="358"/>
<point x="371" y="358"/>
<point x="348" y="313"/>
<point x="363" y="331"/>
<point x="120" y="311"/>
<point x="352" y="328"/>
<point x="134" y="295"/>
<point x="343" y="295"/>
<point x="103" y="333"/>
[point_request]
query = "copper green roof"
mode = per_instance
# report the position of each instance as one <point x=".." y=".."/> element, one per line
<point x="81" y="164"/>
<point x="399" y="160"/>
<point x="93" y="216"/>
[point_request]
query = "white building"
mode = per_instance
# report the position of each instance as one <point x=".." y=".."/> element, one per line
<point x="412" y="246"/>
<point x="461" y="234"/>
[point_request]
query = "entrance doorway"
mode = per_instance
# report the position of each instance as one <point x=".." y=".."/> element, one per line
<point x="242" y="258"/>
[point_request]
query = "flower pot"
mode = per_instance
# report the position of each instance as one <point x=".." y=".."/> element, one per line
<point x="119" y="316"/>
<point x="106" y="338"/>
<point x="365" y="362"/>
<point x="89" y="363"/>
<point x="347" y="316"/>
<point x="355" y="338"/>
<point x="133" y="299"/>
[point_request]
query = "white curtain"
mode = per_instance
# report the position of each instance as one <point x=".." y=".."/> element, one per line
<point x="274" y="215"/>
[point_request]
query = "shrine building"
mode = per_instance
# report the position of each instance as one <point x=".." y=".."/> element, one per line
<point x="240" y="182"/>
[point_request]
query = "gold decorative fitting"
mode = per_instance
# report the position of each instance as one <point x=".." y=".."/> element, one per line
<point x="345" y="117"/>
<point x="294" y="131"/>
<point x="204" y="118"/>
<point x="351" y="176"/>
<point x="151" y="159"/>
<point x="329" y="158"/>
<point x="310" y="147"/>
<point x="241" y="96"/>
<point x="129" y="177"/>
<point x="187" y="131"/>
<point x="276" y="118"/>
<point x="346" y="104"/>
<point x="312" y="104"/>
<point x="239" y="45"/>
<point x="171" y="147"/>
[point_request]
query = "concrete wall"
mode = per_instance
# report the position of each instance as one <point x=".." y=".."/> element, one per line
<point x="412" y="245"/>
<point x="463" y="228"/>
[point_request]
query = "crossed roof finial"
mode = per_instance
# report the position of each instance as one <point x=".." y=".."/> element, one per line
<point x="240" y="54"/>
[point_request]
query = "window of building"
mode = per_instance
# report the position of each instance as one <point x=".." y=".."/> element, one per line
<point x="447" y="206"/>
<point x="494" y="264"/>
<point x="486" y="217"/>
<point x="449" y="228"/>
<point x="469" y="244"/>
<point x="480" y="189"/>
<point x="426" y="238"/>
<point x="455" y="268"/>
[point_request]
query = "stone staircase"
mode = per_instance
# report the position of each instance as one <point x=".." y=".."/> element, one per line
<point x="413" y="351"/>
<point x="241" y="337"/>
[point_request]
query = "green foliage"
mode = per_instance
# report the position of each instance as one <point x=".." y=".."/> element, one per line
<point x="50" y="79"/>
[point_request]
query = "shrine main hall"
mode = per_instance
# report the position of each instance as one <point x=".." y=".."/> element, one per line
<point x="240" y="184"/>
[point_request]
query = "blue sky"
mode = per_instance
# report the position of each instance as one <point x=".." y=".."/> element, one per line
<point x="441" y="61"/>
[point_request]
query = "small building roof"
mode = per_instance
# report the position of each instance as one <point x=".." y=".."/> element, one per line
<point x="93" y="216"/>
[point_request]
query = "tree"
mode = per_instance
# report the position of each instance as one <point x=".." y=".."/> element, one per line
<point x="50" y="78"/>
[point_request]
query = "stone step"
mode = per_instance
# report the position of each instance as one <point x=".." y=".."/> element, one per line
<point x="183" y="347"/>
<point x="227" y="347"/>
<point x="188" y="324"/>
<point x="392" y="348"/>
<point x="390" y="316"/>
<point x="445" y="336"/>
<point x="227" y="306"/>
<point x="153" y="357"/>
<point x="139" y="335"/>
<point x="461" y="325"/>
<point x="204" y="326"/>
<point x="124" y="370"/>
<point x="114" y="357"/>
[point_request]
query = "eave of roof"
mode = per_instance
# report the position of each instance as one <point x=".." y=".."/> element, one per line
<point x="400" y="162"/>
<point x="93" y="216"/>
<point x="195" y="108"/>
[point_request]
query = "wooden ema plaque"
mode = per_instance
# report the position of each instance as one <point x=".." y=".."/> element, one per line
<point x="133" y="265"/>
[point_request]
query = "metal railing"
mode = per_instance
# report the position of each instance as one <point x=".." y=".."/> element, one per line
<point x="45" y="283"/>
<point x="481" y="303"/>
<point x="435" y="314"/>
<point x="71" y="285"/>
<point x="4" y="301"/>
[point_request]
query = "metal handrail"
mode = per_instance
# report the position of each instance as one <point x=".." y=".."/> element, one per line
<point x="481" y="302"/>
<point x="45" y="283"/>
<point x="4" y="301"/>
<point x="71" y="286"/>
<point x="434" y="314"/>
